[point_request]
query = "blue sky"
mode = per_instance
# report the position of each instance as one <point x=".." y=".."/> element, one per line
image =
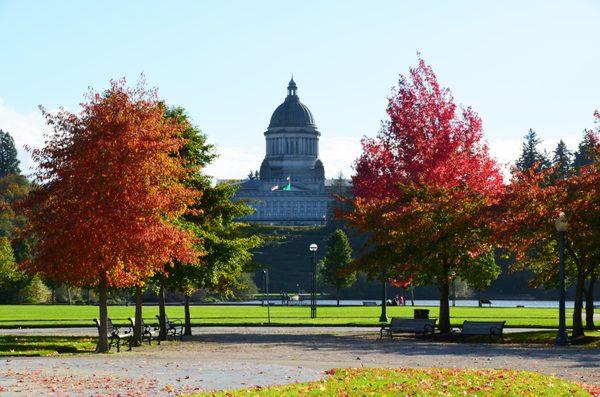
<point x="521" y="65"/>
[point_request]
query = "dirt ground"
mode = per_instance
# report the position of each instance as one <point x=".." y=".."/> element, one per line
<point x="234" y="357"/>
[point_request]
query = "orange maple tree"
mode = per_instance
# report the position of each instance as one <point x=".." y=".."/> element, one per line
<point x="110" y="184"/>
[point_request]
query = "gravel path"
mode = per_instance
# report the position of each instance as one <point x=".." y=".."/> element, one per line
<point x="232" y="357"/>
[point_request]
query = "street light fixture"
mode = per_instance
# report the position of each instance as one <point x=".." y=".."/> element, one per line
<point x="383" y="317"/>
<point x="561" y="227"/>
<point x="266" y="281"/>
<point x="313" y="295"/>
<point x="453" y="274"/>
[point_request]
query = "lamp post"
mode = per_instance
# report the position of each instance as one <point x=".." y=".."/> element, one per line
<point x="561" y="227"/>
<point x="313" y="294"/>
<point x="453" y="274"/>
<point x="383" y="318"/>
<point x="266" y="280"/>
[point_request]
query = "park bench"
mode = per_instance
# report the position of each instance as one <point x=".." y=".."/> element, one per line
<point x="148" y="332"/>
<point x="483" y="328"/>
<point x="115" y="335"/>
<point x="174" y="328"/>
<point x="400" y="325"/>
<point x="485" y="302"/>
<point x="369" y="303"/>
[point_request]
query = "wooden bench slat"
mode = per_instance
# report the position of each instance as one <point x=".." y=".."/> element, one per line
<point x="148" y="332"/>
<point x="408" y="325"/>
<point x="115" y="333"/>
<point x="489" y="328"/>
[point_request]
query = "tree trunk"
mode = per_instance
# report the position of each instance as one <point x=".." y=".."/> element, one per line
<point x="69" y="294"/>
<point x="188" y="320"/>
<point x="578" y="304"/>
<point x="161" y="312"/>
<point x="338" y="295"/>
<point x="137" y="330"/>
<point x="589" y="304"/>
<point x="53" y="295"/>
<point x="103" y="312"/>
<point x="443" y="285"/>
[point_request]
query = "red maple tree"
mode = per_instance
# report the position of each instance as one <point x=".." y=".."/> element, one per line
<point x="424" y="188"/>
<point x="109" y="186"/>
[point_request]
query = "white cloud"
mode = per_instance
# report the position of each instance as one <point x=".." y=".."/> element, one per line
<point x="338" y="154"/>
<point x="234" y="162"/>
<point x="26" y="129"/>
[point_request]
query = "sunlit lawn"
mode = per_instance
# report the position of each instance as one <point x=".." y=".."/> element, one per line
<point x="83" y="315"/>
<point x="421" y="382"/>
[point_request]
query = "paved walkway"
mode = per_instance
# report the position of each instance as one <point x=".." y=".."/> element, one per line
<point x="232" y="357"/>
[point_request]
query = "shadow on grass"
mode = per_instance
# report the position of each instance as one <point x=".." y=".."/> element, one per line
<point x="41" y="345"/>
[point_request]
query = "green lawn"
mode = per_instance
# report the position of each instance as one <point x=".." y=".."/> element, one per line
<point x="421" y="382"/>
<point x="78" y="315"/>
<point x="30" y="345"/>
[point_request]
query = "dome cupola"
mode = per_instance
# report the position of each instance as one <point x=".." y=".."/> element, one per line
<point x="292" y="112"/>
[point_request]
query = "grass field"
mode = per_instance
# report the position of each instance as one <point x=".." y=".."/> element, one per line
<point x="421" y="382"/>
<point x="12" y="316"/>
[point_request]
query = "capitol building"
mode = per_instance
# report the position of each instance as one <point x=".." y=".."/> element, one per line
<point x="290" y="188"/>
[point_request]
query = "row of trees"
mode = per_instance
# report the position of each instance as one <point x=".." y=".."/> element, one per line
<point x="120" y="201"/>
<point x="435" y="206"/>
<point x="16" y="286"/>
<point x="538" y="191"/>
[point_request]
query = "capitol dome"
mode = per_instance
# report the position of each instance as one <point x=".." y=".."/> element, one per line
<point x="292" y="112"/>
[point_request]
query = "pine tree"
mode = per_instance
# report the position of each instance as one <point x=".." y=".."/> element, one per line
<point x="9" y="164"/>
<point x="530" y="153"/>
<point x="561" y="159"/>
<point x="586" y="152"/>
<point x="337" y="261"/>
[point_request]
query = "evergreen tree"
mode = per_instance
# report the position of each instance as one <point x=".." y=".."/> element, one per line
<point x="586" y="152"/>
<point x="9" y="164"/>
<point x="338" y="255"/>
<point x="561" y="159"/>
<point x="531" y="154"/>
